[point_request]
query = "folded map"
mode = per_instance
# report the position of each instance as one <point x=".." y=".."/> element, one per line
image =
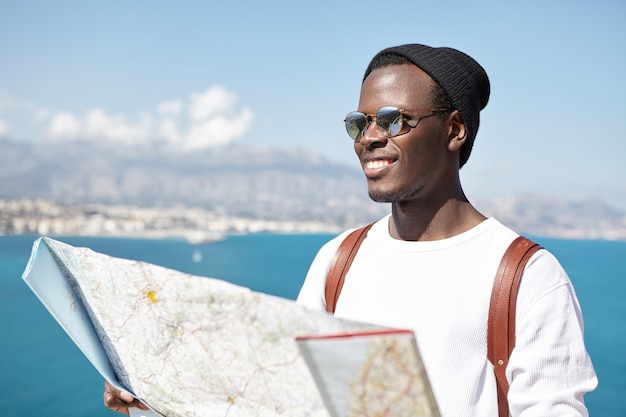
<point x="196" y="346"/>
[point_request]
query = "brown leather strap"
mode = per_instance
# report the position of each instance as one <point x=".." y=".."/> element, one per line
<point x="341" y="263"/>
<point x="501" y="322"/>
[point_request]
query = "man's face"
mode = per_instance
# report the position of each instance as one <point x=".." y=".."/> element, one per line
<point x="412" y="165"/>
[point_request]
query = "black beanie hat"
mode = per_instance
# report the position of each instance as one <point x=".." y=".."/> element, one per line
<point x="461" y="77"/>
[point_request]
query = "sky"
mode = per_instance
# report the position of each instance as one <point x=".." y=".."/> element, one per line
<point x="196" y="74"/>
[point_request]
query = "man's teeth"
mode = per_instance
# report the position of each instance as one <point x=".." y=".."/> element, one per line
<point x="377" y="164"/>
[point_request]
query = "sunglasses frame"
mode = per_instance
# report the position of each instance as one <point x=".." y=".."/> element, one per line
<point x="386" y="128"/>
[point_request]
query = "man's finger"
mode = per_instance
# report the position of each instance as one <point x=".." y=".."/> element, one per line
<point x="120" y="400"/>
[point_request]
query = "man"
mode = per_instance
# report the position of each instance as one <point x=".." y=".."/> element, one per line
<point x="429" y="265"/>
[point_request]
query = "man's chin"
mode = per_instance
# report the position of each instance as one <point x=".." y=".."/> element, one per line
<point x="380" y="197"/>
<point x="393" y="196"/>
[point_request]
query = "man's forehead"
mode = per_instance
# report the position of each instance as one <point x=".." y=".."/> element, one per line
<point x="397" y="80"/>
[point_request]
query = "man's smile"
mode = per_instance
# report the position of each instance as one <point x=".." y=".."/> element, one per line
<point x="376" y="167"/>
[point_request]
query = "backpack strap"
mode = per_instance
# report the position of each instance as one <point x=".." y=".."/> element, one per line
<point x="501" y="322"/>
<point x="341" y="263"/>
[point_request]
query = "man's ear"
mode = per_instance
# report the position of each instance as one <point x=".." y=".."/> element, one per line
<point x="457" y="133"/>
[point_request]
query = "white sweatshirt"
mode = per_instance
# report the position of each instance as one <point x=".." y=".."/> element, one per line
<point x="441" y="290"/>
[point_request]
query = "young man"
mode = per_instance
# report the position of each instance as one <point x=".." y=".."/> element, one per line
<point x="430" y="265"/>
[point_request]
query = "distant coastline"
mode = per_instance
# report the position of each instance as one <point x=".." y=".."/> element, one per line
<point x="531" y="216"/>
<point x="196" y="225"/>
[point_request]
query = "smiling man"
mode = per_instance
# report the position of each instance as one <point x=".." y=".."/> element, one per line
<point x="430" y="265"/>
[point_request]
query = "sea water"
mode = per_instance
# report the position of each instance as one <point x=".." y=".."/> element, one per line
<point x="42" y="373"/>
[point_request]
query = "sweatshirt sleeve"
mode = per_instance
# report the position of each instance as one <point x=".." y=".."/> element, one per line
<point x="312" y="293"/>
<point x="549" y="370"/>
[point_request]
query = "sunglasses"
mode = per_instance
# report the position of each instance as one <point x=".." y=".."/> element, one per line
<point x="389" y="120"/>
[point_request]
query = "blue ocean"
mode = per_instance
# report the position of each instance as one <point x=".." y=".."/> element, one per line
<point x="42" y="373"/>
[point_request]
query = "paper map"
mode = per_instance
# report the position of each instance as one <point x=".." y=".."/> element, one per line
<point x="187" y="345"/>
<point x="370" y="374"/>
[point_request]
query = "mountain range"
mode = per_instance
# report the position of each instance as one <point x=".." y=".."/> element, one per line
<point x="273" y="184"/>
<point x="253" y="182"/>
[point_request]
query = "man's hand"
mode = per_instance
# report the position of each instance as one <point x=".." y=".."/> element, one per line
<point x="120" y="401"/>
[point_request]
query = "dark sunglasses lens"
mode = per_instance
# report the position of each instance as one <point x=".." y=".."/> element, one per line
<point x="355" y="124"/>
<point x="390" y="121"/>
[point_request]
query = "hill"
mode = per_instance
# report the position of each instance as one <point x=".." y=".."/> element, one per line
<point x="241" y="181"/>
<point x="285" y="185"/>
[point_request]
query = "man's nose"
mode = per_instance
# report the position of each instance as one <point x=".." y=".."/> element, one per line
<point x="373" y="136"/>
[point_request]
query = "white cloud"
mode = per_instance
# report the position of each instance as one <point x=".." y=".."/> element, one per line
<point x="98" y="125"/>
<point x="4" y="128"/>
<point x="170" y="131"/>
<point x="214" y="119"/>
<point x="218" y="130"/>
<point x="64" y="125"/>
<point x="214" y="100"/>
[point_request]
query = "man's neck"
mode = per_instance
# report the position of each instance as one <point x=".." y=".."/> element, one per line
<point x="427" y="222"/>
